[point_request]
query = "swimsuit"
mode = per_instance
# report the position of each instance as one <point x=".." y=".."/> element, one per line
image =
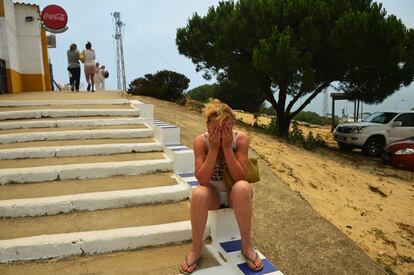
<point x="217" y="178"/>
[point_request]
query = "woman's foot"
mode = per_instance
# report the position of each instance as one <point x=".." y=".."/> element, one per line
<point x="89" y="87"/>
<point x="253" y="260"/>
<point x="190" y="263"/>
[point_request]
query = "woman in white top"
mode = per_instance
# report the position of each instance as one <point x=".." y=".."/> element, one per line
<point x="218" y="146"/>
<point x="98" y="77"/>
<point x="89" y="63"/>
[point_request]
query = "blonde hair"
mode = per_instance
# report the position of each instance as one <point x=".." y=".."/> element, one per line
<point x="216" y="108"/>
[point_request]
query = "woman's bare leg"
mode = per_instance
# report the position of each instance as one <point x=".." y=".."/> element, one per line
<point x="92" y="81"/>
<point x="202" y="199"/>
<point x="241" y="201"/>
<point x="87" y="78"/>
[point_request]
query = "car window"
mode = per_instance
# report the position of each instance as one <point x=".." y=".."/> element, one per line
<point x="382" y="118"/>
<point x="407" y="120"/>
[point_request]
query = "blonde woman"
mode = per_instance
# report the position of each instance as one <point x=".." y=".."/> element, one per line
<point x="220" y="145"/>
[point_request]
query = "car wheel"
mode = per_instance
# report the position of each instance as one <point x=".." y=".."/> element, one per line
<point x="373" y="147"/>
<point x="345" y="147"/>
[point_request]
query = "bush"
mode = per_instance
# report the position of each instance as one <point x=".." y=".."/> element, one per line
<point x="270" y="111"/>
<point x="194" y="105"/>
<point x="272" y="128"/>
<point x="310" y="117"/>
<point x="165" y="85"/>
<point x="202" y="93"/>
<point x="296" y="136"/>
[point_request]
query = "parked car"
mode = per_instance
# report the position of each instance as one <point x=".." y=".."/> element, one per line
<point x="374" y="132"/>
<point x="400" y="153"/>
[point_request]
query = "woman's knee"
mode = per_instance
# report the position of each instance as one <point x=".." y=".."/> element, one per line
<point x="241" y="187"/>
<point x="200" y="194"/>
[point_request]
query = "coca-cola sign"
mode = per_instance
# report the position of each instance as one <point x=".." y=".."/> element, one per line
<point x="54" y="18"/>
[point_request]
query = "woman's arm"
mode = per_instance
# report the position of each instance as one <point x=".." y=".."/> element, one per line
<point x="205" y="158"/>
<point x="237" y="162"/>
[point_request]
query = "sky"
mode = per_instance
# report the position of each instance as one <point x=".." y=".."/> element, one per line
<point x="149" y="42"/>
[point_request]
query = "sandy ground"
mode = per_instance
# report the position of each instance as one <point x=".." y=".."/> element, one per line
<point x="369" y="202"/>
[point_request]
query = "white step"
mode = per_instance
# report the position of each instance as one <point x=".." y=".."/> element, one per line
<point x="11" y="103"/>
<point x="26" y="114"/>
<point x="93" y="201"/>
<point x="78" y="150"/>
<point x="93" y="242"/>
<point x="21" y="124"/>
<point x="78" y="134"/>
<point x="83" y="171"/>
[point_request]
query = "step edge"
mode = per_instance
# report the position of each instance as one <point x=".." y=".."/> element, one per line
<point x="21" y="124"/>
<point x="78" y="134"/>
<point x="34" y="207"/>
<point x="78" y="150"/>
<point x="93" y="242"/>
<point x="82" y="171"/>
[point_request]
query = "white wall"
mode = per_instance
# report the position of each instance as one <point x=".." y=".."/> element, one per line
<point x="8" y="36"/>
<point x="29" y="40"/>
<point x="20" y="43"/>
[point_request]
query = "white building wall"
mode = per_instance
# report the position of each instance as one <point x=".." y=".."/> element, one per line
<point x="29" y="40"/>
<point x="20" y="43"/>
<point x="9" y="47"/>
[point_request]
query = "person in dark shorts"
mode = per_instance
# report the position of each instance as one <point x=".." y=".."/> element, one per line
<point x="74" y="67"/>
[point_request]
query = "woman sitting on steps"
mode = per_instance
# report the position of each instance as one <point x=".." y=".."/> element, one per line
<point x="218" y="146"/>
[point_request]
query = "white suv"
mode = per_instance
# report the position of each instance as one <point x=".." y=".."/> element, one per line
<point x="374" y="132"/>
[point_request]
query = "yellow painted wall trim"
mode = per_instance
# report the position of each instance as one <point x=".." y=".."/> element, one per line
<point x="46" y="68"/>
<point x="33" y="83"/>
<point x="17" y="82"/>
<point x="14" y="81"/>
<point x="2" y="8"/>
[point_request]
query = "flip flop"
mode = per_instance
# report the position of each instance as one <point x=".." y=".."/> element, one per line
<point x="195" y="263"/>
<point x="253" y="262"/>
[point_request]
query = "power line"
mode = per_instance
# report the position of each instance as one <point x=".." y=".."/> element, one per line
<point x="146" y="45"/>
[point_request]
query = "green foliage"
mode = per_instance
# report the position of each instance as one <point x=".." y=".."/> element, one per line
<point x="300" y="48"/>
<point x="239" y="97"/>
<point x="389" y="270"/>
<point x="310" y="117"/>
<point x="165" y="85"/>
<point x="273" y="127"/>
<point x="296" y="134"/>
<point x="202" y="93"/>
<point x="314" y="118"/>
<point x="194" y="105"/>
<point x="312" y="142"/>
<point x="267" y="110"/>
<point x="309" y="142"/>
<point x="235" y="96"/>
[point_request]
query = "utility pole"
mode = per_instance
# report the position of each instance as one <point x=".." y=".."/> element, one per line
<point x="120" y="65"/>
<point x="325" y="106"/>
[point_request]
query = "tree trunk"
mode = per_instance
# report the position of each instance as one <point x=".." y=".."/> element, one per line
<point x="283" y="121"/>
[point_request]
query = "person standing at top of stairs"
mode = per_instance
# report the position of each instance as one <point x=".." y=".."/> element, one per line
<point x="90" y="66"/>
<point x="74" y="67"/>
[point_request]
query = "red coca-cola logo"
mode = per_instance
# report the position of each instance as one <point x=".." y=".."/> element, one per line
<point x="54" y="17"/>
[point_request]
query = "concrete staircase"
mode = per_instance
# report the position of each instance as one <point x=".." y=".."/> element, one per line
<point x="95" y="176"/>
